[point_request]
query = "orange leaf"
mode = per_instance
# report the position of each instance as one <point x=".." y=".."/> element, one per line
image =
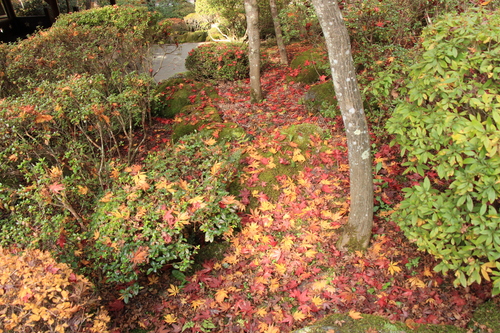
<point x="140" y="255"/>
<point x="43" y="118"/>
<point x="220" y="295"/>
<point x="355" y="315"/>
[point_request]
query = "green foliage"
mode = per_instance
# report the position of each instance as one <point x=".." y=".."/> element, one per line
<point x="218" y="61"/>
<point x="158" y="213"/>
<point x="56" y="141"/>
<point x="228" y="14"/>
<point x="448" y="129"/>
<point x="40" y="295"/>
<point x="192" y="37"/>
<point x="299" y="22"/>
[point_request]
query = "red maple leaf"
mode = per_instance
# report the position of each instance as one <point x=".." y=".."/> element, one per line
<point x="56" y="187"/>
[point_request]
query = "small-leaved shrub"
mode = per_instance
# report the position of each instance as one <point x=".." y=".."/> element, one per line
<point x="218" y="61"/>
<point x="98" y="41"/>
<point x="38" y="294"/>
<point x="448" y="129"/>
<point x="159" y="212"/>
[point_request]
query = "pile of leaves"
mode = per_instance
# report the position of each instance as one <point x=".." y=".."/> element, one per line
<point x="283" y="269"/>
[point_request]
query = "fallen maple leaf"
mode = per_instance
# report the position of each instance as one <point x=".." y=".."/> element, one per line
<point x="170" y="319"/>
<point x="393" y="268"/>
<point x="299" y="316"/>
<point x="173" y="290"/>
<point x="220" y="295"/>
<point x="140" y="255"/>
<point x="355" y="315"/>
<point x="56" y="188"/>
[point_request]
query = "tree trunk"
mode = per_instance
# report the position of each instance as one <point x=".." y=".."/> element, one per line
<point x="357" y="232"/>
<point x="252" y="13"/>
<point x="279" y="34"/>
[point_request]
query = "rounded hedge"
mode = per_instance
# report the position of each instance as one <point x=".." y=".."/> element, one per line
<point x="218" y="61"/>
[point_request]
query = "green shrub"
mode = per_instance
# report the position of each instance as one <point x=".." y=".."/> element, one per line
<point x="158" y="213"/>
<point x="83" y="42"/>
<point x="448" y="129"/>
<point x="55" y="145"/>
<point x="192" y="37"/>
<point x="40" y="295"/>
<point x="299" y="22"/>
<point x="218" y="61"/>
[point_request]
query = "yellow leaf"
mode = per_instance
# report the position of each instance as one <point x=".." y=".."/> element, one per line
<point x="173" y="290"/>
<point x="355" y="315"/>
<point x="486" y="268"/>
<point x="427" y="271"/>
<point x="220" y="295"/>
<point x="198" y="199"/>
<point x="266" y="205"/>
<point x="394" y="268"/>
<point x="274" y="285"/>
<point x="319" y="285"/>
<point x="310" y="253"/>
<point x="170" y="319"/>
<point x="416" y="282"/>
<point x="318" y="301"/>
<point x="107" y="197"/>
<point x="210" y="142"/>
<point x="261" y="312"/>
<point x="297" y="156"/>
<point x="96" y="235"/>
<point x="41" y="118"/>
<point x="215" y="168"/>
<point x="197" y="303"/>
<point x="83" y="190"/>
<point x="280" y="268"/>
<point x="299" y="316"/>
<point x="55" y="172"/>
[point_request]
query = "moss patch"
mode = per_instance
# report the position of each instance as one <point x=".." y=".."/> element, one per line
<point x="341" y="323"/>
<point x="174" y="94"/>
<point x="487" y="317"/>
<point x="308" y="66"/>
<point x="194" y="119"/>
<point x="321" y="98"/>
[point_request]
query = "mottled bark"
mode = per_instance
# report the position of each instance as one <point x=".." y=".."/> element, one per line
<point x="357" y="232"/>
<point x="279" y="34"/>
<point x="252" y="13"/>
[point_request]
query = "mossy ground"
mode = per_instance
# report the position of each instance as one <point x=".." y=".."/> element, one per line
<point x="174" y="94"/>
<point x="308" y="66"/>
<point x="343" y="323"/>
<point x="321" y="98"/>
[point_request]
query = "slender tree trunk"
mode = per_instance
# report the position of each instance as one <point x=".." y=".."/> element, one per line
<point x="252" y="13"/>
<point x="357" y="232"/>
<point x="279" y="34"/>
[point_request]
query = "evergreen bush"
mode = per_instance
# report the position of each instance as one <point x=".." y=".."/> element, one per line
<point x="448" y="130"/>
<point x="218" y="61"/>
